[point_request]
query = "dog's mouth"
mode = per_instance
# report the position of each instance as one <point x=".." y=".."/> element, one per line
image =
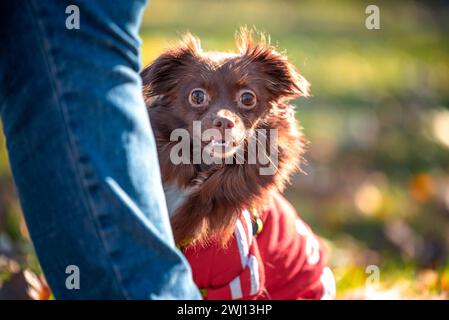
<point x="219" y="143"/>
<point x="222" y="148"/>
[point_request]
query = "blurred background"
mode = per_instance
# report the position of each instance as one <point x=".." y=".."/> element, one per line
<point x="377" y="183"/>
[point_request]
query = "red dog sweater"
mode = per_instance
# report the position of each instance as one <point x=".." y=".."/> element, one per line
<point x="284" y="261"/>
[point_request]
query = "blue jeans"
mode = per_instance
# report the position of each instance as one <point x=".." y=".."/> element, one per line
<point x="82" y="152"/>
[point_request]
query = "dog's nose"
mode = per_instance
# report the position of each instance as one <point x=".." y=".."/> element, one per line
<point x="223" y="123"/>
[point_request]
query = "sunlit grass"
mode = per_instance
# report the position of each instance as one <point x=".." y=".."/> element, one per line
<point x="327" y="42"/>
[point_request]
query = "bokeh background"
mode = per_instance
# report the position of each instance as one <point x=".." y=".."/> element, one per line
<point x="377" y="183"/>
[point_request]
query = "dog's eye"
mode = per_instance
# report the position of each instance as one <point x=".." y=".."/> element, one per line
<point x="198" y="97"/>
<point x="247" y="99"/>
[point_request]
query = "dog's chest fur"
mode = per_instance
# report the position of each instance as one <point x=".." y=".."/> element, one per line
<point x="175" y="197"/>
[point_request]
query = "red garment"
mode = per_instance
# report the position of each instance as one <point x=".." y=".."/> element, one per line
<point x="284" y="261"/>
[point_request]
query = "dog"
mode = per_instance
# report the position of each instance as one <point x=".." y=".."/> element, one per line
<point x="241" y="237"/>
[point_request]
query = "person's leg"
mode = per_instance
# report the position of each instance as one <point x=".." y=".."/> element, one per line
<point x="82" y="152"/>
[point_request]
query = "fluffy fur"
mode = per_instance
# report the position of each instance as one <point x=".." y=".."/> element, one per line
<point x="219" y="193"/>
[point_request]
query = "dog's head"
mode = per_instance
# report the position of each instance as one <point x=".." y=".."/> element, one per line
<point x="231" y="95"/>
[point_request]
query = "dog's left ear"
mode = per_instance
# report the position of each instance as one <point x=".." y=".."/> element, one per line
<point x="283" y="80"/>
<point x="161" y="77"/>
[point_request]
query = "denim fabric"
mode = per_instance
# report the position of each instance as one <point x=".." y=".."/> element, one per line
<point x="82" y="152"/>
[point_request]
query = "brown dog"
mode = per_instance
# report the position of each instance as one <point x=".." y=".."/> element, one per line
<point x="248" y="91"/>
<point x="243" y="96"/>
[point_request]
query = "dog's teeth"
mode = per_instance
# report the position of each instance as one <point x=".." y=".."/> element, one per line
<point x="219" y="144"/>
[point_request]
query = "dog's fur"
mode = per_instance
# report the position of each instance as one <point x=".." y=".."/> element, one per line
<point x="219" y="193"/>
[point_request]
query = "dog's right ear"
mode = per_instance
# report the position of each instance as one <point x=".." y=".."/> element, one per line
<point x="281" y="77"/>
<point x="161" y="77"/>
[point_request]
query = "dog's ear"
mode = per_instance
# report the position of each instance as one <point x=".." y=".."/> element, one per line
<point x="282" y="78"/>
<point x="160" y="77"/>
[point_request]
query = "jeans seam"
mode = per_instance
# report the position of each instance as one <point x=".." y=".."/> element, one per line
<point x="74" y="153"/>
